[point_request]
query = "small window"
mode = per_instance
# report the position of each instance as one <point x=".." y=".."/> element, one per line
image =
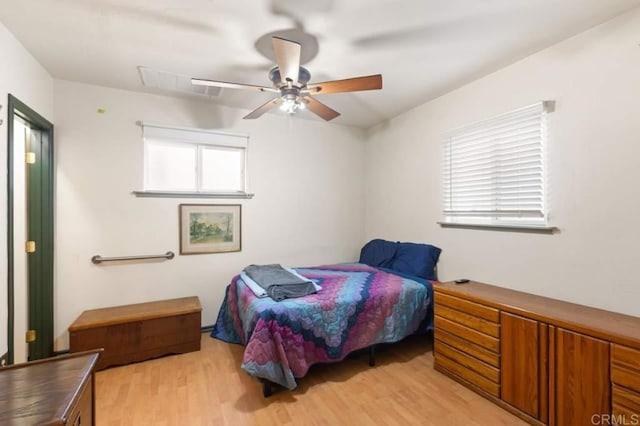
<point x="494" y="170"/>
<point x="194" y="161"/>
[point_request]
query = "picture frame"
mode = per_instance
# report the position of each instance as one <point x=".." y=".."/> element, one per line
<point x="210" y="228"/>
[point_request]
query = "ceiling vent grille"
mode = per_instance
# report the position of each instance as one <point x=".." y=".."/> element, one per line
<point x="174" y="82"/>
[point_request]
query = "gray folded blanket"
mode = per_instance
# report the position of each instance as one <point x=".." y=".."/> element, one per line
<point x="278" y="282"/>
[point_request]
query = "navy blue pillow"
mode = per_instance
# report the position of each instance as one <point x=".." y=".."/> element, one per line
<point x="416" y="259"/>
<point x="378" y="253"/>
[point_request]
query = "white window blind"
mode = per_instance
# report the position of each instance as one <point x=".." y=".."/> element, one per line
<point x="494" y="169"/>
<point x="193" y="160"/>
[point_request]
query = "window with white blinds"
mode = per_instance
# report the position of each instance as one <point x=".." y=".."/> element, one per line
<point x="494" y="170"/>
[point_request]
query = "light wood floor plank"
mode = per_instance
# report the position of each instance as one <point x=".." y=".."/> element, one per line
<point x="209" y="388"/>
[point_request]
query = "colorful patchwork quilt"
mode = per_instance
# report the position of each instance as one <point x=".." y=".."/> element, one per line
<point x="358" y="306"/>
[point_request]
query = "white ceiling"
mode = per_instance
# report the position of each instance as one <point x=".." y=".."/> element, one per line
<point x="423" y="48"/>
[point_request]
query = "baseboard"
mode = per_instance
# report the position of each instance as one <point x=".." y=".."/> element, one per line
<point x="61" y="352"/>
<point x="4" y="359"/>
<point x="207" y="328"/>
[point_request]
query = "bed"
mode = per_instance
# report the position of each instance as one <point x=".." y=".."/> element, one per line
<point x="358" y="306"/>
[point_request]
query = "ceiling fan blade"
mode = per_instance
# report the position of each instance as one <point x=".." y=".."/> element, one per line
<point x="370" y="82"/>
<point x="264" y="45"/>
<point x="228" y="85"/>
<point x="288" y="59"/>
<point x="263" y="108"/>
<point x="320" y="109"/>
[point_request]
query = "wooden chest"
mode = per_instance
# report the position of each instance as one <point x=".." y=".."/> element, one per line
<point x="138" y="332"/>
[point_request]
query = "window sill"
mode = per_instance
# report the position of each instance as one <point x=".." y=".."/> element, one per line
<point x="179" y="194"/>
<point x="536" y="229"/>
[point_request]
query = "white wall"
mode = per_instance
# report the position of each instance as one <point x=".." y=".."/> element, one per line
<point x="594" y="173"/>
<point x="22" y="76"/>
<point x="307" y="210"/>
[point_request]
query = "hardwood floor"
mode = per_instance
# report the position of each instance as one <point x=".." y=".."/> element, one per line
<point x="209" y="388"/>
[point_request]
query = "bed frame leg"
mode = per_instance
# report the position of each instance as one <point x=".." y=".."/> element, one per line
<point x="267" y="390"/>
<point x="372" y="355"/>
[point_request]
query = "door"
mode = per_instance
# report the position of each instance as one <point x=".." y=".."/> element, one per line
<point x="30" y="231"/>
<point x="524" y="371"/>
<point x="40" y="238"/>
<point x="582" y="385"/>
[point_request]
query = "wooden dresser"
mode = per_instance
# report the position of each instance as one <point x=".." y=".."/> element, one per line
<point x="547" y="361"/>
<point x="54" y="391"/>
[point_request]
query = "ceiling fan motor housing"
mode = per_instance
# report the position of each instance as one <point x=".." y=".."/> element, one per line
<point x="303" y="77"/>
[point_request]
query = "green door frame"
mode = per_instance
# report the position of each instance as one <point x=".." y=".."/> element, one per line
<point x="42" y="313"/>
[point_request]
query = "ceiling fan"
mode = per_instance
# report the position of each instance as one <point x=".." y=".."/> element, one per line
<point x="290" y="82"/>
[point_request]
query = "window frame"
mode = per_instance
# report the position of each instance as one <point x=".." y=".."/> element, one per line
<point x="200" y="139"/>
<point x="481" y="217"/>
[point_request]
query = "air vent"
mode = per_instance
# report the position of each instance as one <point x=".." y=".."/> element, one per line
<point x="174" y="82"/>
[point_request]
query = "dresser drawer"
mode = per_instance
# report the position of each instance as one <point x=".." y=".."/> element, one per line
<point x="470" y="362"/>
<point x="625" y="377"/>
<point x="625" y="367"/>
<point x="466" y="374"/>
<point x="471" y="321"/>
<point x="469" y="334"/>
<point x="470" y="348"/>
<point x="625" y="357"/>
<point x="472" y="308"/>
<point x="623" y="415"/>
<point x="626" y="400"/>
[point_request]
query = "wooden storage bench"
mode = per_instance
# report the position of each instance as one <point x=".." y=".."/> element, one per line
<point x="138" y="332"/>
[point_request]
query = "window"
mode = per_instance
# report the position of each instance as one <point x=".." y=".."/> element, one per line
<point x="194" y="161"/>
<point x="494" y="170"/>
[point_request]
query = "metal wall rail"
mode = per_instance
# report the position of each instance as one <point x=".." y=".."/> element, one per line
<point x="99" y="259"/>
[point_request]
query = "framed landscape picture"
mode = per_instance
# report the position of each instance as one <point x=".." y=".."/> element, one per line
<point x="209" y="228"/>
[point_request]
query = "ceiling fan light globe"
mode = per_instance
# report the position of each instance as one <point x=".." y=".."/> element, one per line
<point x="291" y="103"/>
<point x="288" y="105"/>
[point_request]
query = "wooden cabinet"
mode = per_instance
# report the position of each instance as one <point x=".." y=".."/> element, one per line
<point x="547" y="361"/>
<point x="54" y="391"/>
